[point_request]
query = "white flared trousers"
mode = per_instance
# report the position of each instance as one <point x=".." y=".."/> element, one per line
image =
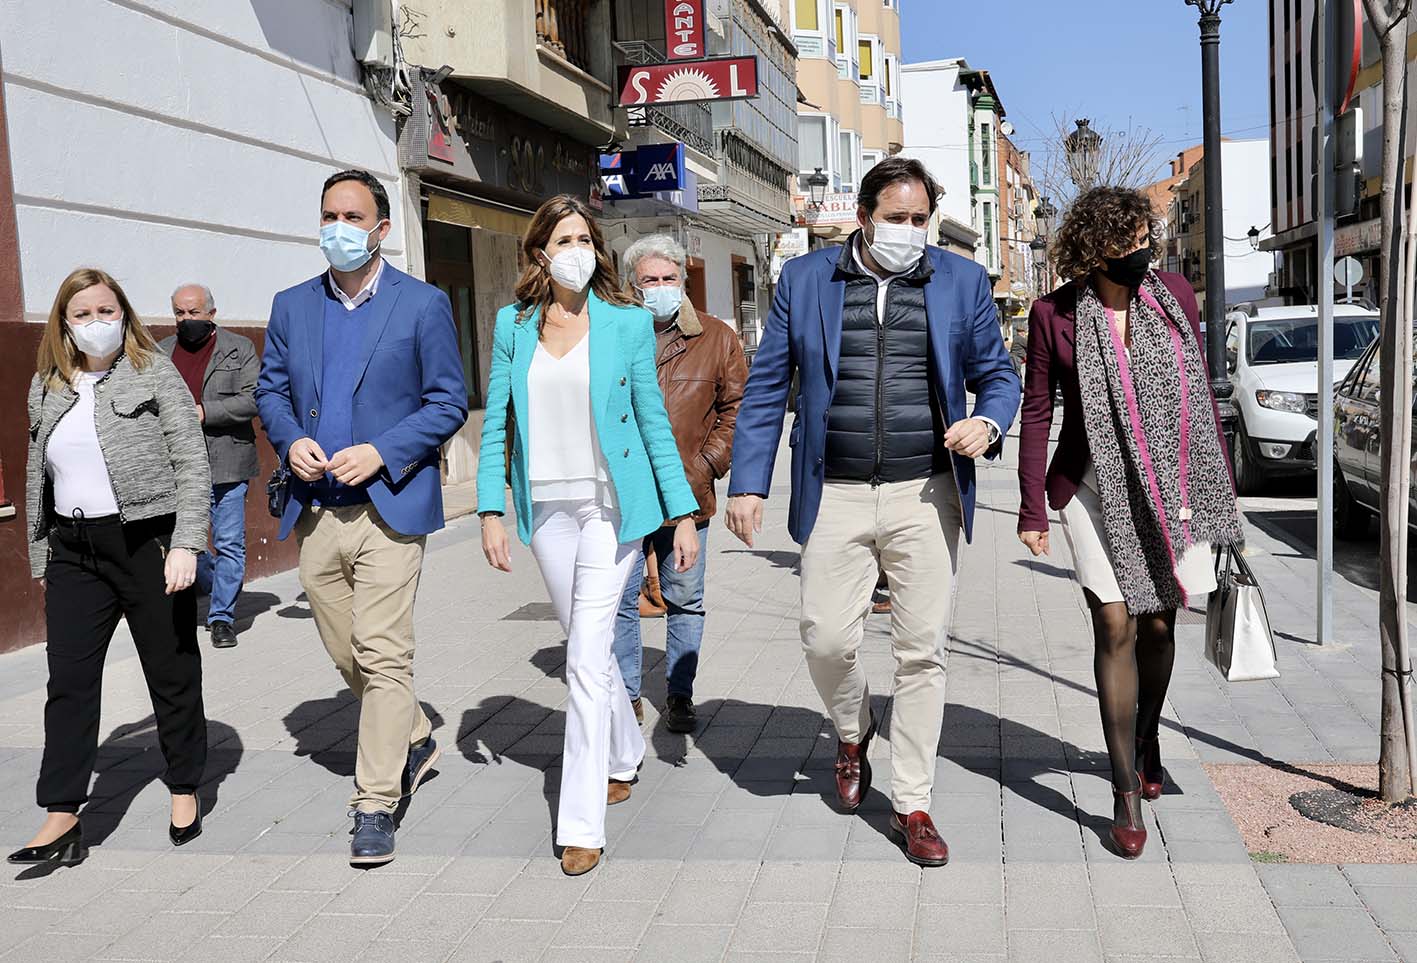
<point x="576" y="545"/>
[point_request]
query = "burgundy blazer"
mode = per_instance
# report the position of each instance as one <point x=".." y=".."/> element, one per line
<point x="1051" y="327"/>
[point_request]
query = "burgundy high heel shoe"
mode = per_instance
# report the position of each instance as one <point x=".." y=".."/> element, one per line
<point x="1153" y="776"/>
<point x="1128" y="832"/>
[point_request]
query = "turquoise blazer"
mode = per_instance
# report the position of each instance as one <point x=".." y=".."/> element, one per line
<point x="629" y="414"/>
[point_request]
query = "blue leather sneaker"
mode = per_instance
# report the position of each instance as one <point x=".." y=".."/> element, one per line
<point x="420" y="760"/>
<point x="373" y="841"/>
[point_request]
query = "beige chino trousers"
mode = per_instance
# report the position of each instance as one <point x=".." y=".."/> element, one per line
<point x="361" y="578"/>
<point x="911" y="530"/>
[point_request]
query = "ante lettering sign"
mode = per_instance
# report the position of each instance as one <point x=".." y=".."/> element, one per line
<point x="720" y="78"/>
<point x="684" y="29"/>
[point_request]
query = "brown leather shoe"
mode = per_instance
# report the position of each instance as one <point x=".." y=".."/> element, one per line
<point x="651" y="601"/>
<point x="576" y="860"/>
<point x="639" y="706"/>
<point x="917" y="836"/>
<point x="853" y="771"/>
<point x="617" y="793"/>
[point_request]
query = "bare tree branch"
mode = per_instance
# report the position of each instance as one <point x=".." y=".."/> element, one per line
<point x="1131" y="157"/>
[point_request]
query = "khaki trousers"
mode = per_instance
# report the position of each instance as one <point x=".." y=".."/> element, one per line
<point x="911" y="531"/>
<point x="361" y="578"/>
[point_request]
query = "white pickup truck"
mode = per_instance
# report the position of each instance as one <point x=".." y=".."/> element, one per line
<point x="1274" y="365"/>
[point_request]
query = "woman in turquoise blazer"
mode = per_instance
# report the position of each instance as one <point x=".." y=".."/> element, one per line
<point x="594" y="469"/>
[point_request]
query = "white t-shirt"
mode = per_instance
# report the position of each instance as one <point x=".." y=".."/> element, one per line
<point x="74" y="459"/>
<point x="565" y="461"/>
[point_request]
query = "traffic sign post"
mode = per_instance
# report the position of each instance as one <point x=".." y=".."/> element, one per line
<point x="1348" y="272"/>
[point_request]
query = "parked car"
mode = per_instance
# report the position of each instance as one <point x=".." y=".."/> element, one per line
<point x="1357" y="451"/>
<point x="1273" y="358"/>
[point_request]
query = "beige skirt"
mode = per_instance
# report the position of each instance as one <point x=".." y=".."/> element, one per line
<point x="1086" y="532"/>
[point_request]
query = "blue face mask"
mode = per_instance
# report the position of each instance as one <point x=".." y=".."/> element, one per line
<point x="346" y="246"/>
<point x="663" y="301"/>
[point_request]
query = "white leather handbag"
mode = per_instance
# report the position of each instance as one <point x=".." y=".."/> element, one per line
<point x="1238" y="639"/>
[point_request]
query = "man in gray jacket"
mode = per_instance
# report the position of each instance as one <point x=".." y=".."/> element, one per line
<point x="220" y="369"/>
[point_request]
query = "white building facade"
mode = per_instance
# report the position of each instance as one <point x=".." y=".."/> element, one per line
<point x="937" y="117"/>
<point x="169" y="141"/>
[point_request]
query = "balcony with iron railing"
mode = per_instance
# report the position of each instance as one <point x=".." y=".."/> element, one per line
<point x="692" y="123"/>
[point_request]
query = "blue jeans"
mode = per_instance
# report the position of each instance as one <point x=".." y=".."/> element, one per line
<point x="221" y="571"/>
<point x="683" y="598"/>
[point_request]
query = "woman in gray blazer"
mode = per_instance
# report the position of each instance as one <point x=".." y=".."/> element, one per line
<point x="116" y="503"/>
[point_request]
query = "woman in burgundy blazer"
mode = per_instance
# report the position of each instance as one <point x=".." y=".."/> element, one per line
<point x="1141" y="512"/>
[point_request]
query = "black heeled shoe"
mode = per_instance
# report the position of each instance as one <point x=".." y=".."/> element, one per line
<point x="68" y="849"/>
<point x="182" y="835"/>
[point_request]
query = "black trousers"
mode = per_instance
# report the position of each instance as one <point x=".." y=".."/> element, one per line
<point x="99" y="570"/>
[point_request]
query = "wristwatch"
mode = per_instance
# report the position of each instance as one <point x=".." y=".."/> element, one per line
<point x="994" y="435"/>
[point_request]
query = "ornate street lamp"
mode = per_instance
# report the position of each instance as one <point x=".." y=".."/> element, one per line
<point x="1043" y="214"/>
<point x="1084" y="150"/>
<point x="1039" y="247"/>
<point x="1214" y="315"/>
<point x="1254" y="236"/>
<point x="817" y="184"/>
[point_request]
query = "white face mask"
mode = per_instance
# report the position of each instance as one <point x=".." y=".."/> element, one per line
<point x="897" y="246"/>
<point x="99" y="338"/>
<point x="574" y="268"/>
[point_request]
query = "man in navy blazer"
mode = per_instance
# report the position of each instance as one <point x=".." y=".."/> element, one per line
<point x="360" y="385"/>
<point x="885" y="335"/>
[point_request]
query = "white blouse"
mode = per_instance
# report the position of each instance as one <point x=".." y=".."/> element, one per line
<point x="74" y="459"/>
<point x="565" y="461"/>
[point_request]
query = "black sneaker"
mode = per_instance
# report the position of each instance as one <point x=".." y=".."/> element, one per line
<point x="679" y="714"/>
<point x="223" y="635"/>
<point x="420" y="760"/>
<point x="373" y="842"/>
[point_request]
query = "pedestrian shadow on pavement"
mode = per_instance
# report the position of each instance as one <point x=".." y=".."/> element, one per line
<point x="249" y="607"/>
<point x="299" y="609"/>
<point x="512" y="729"/>
<point x="1043" y="568"/>
<point x="130" y="759"/>
<point x="326" y="730"/>
<point x="792" y="561"/>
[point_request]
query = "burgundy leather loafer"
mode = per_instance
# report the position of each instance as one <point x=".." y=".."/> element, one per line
<point x="917" y="836"/>
<point x="853" y="771"/>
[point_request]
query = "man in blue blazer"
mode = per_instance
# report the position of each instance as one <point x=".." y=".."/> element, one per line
<point x="885" y="335"/>
<point x="360" y="385"/>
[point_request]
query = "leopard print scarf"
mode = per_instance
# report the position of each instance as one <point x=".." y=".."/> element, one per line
<point x="1159" y="497"/>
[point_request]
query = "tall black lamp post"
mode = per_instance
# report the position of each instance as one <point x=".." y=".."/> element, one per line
<point x="1214" y="210"/>
<point x="1084" y="150"/>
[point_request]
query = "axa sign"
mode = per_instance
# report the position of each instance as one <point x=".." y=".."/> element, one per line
<point x="684" y="29"/>
<point x="719" y="78"/>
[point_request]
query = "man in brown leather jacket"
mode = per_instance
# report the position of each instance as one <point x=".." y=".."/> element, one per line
<point x="701" y="372"/>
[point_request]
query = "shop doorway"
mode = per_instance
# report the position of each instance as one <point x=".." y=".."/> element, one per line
<point x="448" y="255"/>
<point x="695" y="286"/>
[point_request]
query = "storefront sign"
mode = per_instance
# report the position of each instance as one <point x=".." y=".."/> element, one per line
<point x="659" y="167"/>
<point x="466" y="137"/>
<point x="722" y="78"/>
<point x="1358" y="238"/>
<point x="649" y="169"/>
<point x="684" y="29"/>
<point x="835" y="209"/>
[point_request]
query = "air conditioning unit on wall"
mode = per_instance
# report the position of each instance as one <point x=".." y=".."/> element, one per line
<point x="374" y="32"/>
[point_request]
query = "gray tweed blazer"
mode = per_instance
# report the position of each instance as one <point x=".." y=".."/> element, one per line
<point x="152" y="444"/>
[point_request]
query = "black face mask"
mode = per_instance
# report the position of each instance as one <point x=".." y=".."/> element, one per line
<point x="192" y="332"/>
<point x="1128" y="271"/>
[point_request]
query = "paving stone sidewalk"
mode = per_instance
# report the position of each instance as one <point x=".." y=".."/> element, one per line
<point x="728" y="849"/>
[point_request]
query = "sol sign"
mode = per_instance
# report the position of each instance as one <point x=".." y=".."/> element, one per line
<point x="721" y="78"/>
<point x="684" y="29"/>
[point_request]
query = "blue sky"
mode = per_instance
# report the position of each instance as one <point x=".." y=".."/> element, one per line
<point x="1112" y="60"/>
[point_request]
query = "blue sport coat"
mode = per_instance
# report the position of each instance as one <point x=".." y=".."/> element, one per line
<point x="409" y="399"/>
<point x="630" y="421"/>
<point x="803" y="334"/>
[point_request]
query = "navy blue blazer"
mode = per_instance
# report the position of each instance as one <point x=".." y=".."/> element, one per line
<point x="803" y="334"/>
<point x="409" y="399"/>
